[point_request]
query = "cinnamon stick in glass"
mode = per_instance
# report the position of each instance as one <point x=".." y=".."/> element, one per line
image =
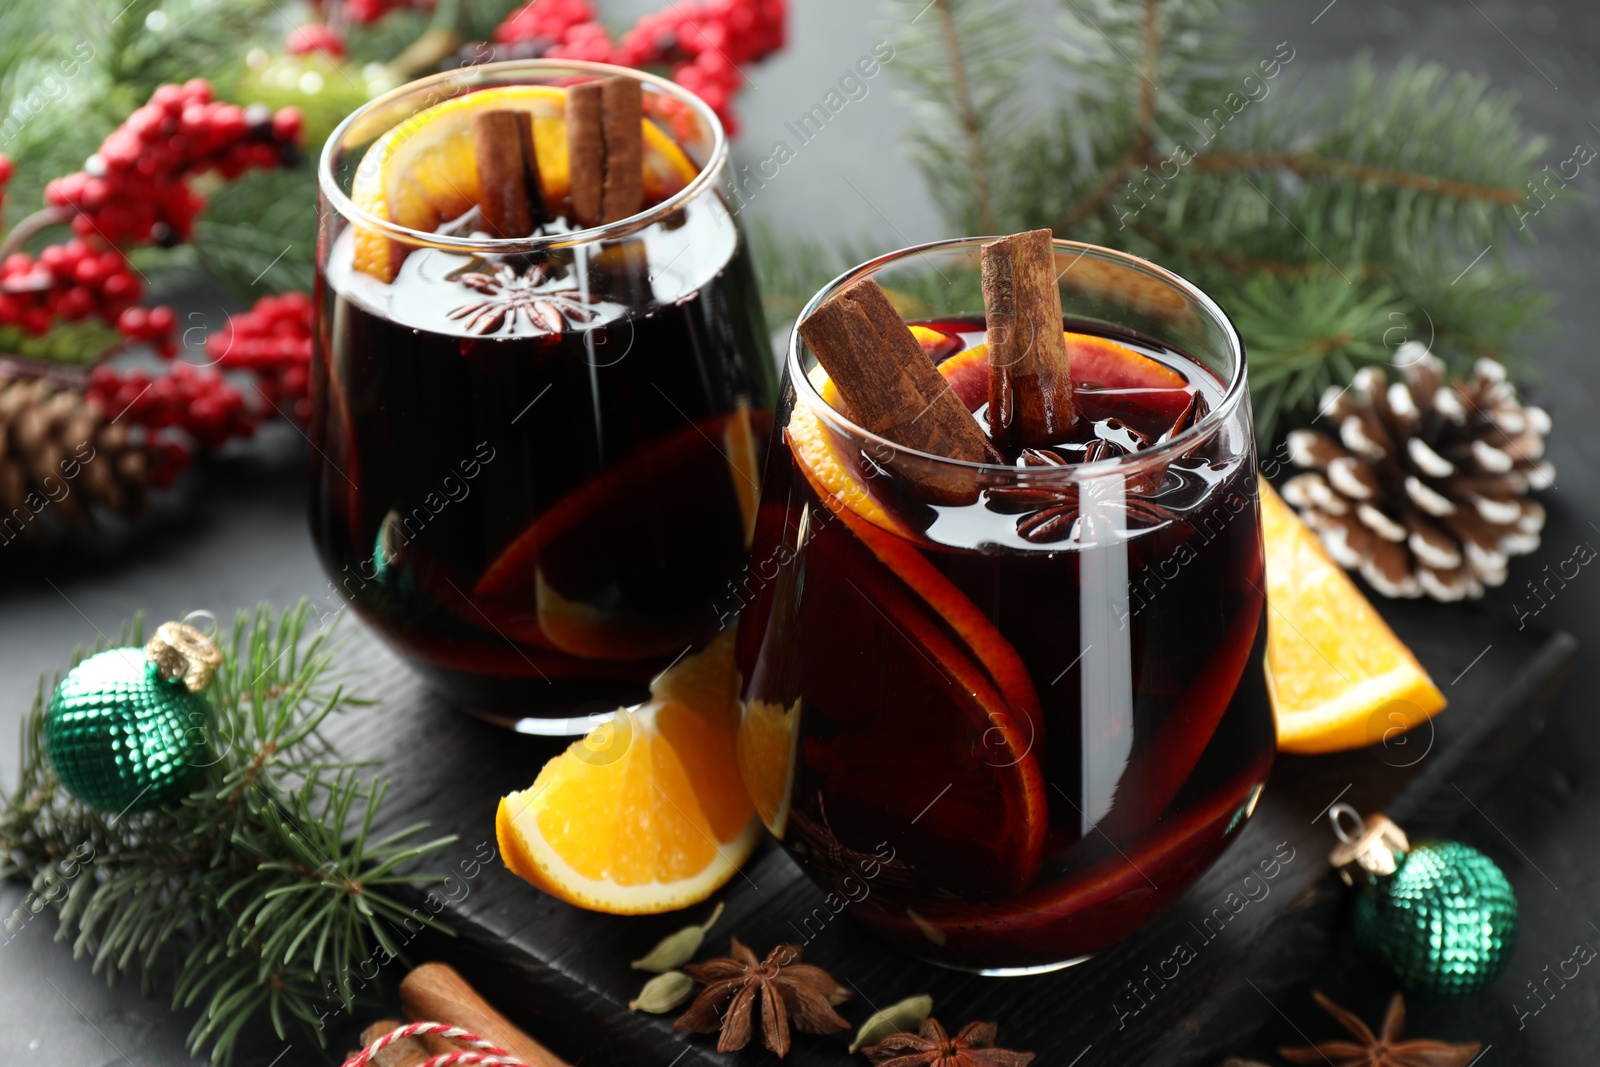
<point x="621" y="112"/>
<point x="605" y="150"/>
<point x="508" y="173"/>
<point x="585" y="152"/>
<point x="1030" y="378"/>
<point x="891" y="387"/>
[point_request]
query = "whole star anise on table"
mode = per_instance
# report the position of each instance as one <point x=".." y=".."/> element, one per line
<point x="512" y="296"/>
<point x="930" y="1046"/>
<point x="791" y="993"/>
<point x="1384" y="1049"/>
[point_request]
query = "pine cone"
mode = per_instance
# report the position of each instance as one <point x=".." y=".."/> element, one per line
<point x="59" y="458"/>
<point x="1425" y="490"/>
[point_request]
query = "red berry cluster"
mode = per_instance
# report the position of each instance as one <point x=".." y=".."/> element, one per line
<point x="703" y="42"/>
<point x="74" y="280"/>
<point x="136" y="187"/>
<point x="271" y="341"/>
<point x="153" y="326"/>
<point x="198" y="401"/>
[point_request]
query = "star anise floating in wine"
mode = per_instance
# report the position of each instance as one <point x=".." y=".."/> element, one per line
<point x="1384" y="1049"/>
<point x="930" y="1046"/>
<point x="791" y="993"/>
<point x="515" y="298"/>
<point x="1055" y="512"/>
<point x="1076" y="510"/>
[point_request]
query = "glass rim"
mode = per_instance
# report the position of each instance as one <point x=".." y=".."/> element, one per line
<point x="347" y="208"/>
<point x="1204" y="427"/>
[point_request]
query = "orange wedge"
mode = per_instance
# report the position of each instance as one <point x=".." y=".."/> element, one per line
<point x="646" y="814"/>
<point x="1338" y="677"/>
<point x="423" y="172"/>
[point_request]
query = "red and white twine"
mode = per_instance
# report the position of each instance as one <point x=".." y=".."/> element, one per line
<point x="482" y="1052"/>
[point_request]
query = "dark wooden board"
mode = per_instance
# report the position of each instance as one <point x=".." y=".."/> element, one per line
<point x="563" y="973"/>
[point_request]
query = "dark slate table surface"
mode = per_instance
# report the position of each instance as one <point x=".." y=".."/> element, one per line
<point x="239" y="536"/>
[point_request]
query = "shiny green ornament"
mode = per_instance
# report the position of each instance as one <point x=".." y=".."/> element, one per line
<point x="1440" y="915"/>
<point x="125" y="729"/>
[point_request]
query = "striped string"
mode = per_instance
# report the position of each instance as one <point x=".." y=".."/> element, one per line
<point x="481" y="1051"/>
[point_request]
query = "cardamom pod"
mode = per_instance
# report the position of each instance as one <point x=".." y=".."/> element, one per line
<point x="663" y="993"/>
<point x="674" y="950"/>
<point x="895" y="1019"/>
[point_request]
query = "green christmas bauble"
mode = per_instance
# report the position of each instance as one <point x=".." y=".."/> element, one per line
<point x="122" y="738"/>
<point x="1445" y="922"/>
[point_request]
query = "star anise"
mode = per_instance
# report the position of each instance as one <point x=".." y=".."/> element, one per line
<point x="930" y="1046"/>
<point x="1055" y="512"/>
<point x="790" y="992"/>
<point x="1379" y="1050"/>
<point x="514" y="297"/>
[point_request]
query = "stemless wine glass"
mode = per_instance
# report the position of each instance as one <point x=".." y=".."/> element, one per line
<point x="1006" y="731"/>
<point x="534" y="460"/>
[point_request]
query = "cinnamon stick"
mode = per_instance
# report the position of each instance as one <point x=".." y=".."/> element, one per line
<point x="508" y="173"/>
<point x="621" y="111"/>
<point x="585" y="152"/>
<point x="434" y="992"/>
<point x="892" y="388"/>
<point x="1030" y="378"/>
<point x="407" y="1052"/>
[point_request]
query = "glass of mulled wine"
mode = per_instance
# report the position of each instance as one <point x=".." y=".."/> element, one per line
<point x="535" y="457"/>
<point x="1006" y="712"/>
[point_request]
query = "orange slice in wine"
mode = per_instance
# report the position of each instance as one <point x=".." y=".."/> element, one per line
<point x="845" y="494"/>
<point x="936" y="343"/>
<point x="957" y="780"/>
<point x="641" y="482"/>
<point x="968" y="375"/>
<point x="768" y="751"/>
<point x="1101" y="904"/>
<point x="423" y="172"/>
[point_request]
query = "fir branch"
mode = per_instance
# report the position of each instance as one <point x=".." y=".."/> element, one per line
<point x="258" y="885"/>
<point x="962" y="62"/>
<point x="1307" y="165"/>
<point x="1320" y="218"/>
<point x="972" y="126"/>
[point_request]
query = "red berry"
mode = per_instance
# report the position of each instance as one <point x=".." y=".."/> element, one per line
<point x="286" y="124"/>
<point x="88" y="271"/>
<point x="166" y="97"/>
<point x="315" y="37"/>
<point x="120" y="287"/>
<point x="133" y="322"/>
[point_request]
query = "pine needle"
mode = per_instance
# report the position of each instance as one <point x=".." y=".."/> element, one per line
<point x="256" y="888"/>
<point x="1327" y="212"/>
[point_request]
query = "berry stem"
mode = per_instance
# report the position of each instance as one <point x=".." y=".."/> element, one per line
<point x="42" y="219"/>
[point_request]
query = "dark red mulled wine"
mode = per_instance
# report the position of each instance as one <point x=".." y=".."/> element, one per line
<point x="534" y="472"/>
<point x="1006" y="733"/>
